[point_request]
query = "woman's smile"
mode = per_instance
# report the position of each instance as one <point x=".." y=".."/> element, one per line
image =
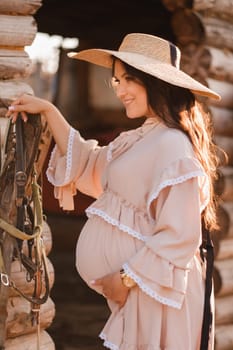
<point x="131" y="92"/>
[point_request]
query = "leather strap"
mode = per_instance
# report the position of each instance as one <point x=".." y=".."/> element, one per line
<point x="207" y="253"/>
<point x="20" y="164"/>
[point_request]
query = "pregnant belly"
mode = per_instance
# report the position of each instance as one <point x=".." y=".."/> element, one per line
<point x="102" y="249"/>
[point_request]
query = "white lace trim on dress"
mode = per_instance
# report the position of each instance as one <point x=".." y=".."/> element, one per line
<point x="69" y="155"/>
<point x="68" y="158"/>
<point x="50" y="179"/>
<point x="149" y="291"/>
<point x="176" y="181"/>
<point x="107" y="343"/>
<point x="114" y="222"/>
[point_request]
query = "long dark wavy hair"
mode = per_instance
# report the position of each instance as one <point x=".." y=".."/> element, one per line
<point x="178" y="108"/>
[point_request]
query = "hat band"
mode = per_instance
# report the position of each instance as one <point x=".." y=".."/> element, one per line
<point x="175" y="59"/>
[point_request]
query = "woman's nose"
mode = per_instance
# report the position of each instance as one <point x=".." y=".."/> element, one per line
<point x="120" y="91"/>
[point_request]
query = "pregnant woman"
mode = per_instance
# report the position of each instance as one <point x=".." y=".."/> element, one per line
<point x="153" y="187"/>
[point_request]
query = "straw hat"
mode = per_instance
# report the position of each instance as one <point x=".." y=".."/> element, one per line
<point x="150" y="54"/>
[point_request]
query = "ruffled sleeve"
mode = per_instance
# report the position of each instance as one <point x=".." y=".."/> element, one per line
<point x="162" y="265"/>
<point x="80" y="168"/>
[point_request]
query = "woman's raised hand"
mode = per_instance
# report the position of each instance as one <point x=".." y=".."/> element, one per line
<point x="58" y="125"/>
<point x="27" y="104"/>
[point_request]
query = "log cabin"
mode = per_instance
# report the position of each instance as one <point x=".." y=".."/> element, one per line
<point x="202" y="29"/>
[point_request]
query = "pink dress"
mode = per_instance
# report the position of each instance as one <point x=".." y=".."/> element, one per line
<point x="150" y="191"/>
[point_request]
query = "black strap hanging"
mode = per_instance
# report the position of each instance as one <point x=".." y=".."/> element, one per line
<point x="20" y="164"/>
<point x="20" y="176"/>
<point x="207" y="254"/>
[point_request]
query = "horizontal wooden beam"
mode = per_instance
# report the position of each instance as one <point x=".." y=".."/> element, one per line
<point x="223" y="277"/>
<point x="224" y="313"/>
<point x="222" y="120"/>
<point x="17" y="31"/>
<point x="218" y="33"/>
<point x="217" y="8"/>
<point x="228" y="209"/>
<point x="227" y="194"/>
<point x="221" y="64"/>
<point x="225" y="90"/>
<point x="19" y="317"/>
<point x="19" y="7"/>
<point x="11" y="89"/>
<point x="225" y="250"/>
<point x="28" y="341"/>
<point x="224" y="337"/>
<point x="226" y="143"/>
<point x="14" y="64"/>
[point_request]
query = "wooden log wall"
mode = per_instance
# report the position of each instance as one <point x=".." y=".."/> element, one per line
<point x="18" y="29"/>
<point x="203" y="31"/>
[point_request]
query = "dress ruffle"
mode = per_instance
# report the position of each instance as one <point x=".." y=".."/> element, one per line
<point x="167" y="286"/>
<point x="70" y="172"/>
<point x="140" y="223"/>
<point x="125" y="216"/>
<point x="178" y="172"/>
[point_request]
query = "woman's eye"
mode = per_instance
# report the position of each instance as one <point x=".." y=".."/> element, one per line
<point x="129" y="78"/>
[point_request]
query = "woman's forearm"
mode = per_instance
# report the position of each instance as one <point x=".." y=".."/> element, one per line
<point x="58" y="126"/>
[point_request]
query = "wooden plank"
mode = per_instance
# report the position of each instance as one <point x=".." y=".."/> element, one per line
<point x="223" y="277"/>
<point x="195" y="61"/>
<point x="8" y="244"/>
<point x="222" y="120"/>
<point x="225" y="90"/>
<point x="217" y="8"/>
<point x="224" y="313"/>
<point x="226" y="143"/>
<point x="225" y="250"/>
<point x="221" y="67"/>
<point x="17" y="31"/>
<point x="20" y="7"/>
<point x="19" y="317"/>
<point x="227" y="194"/>
<point x="8" y="52"/>
<point x="224" y="337"/>
<point x="11" y="89"/>
<point x="29" y="342"/>
<point x="15" y="67"/>
<point x="224" y="223"/>
<point x="228" y="209"/>
<point x="3" y="112"/>
<point x="218" y="33"/>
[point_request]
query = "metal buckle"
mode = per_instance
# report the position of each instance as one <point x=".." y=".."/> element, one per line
<point x="5" y="279"/>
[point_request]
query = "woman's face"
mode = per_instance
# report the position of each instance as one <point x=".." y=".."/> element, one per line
<point x="130" y="92"/>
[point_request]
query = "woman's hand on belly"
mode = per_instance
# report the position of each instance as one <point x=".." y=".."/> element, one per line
<point x="112" y="288"/>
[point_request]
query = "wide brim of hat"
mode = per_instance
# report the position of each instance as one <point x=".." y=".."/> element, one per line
<point x="163" y="71"/>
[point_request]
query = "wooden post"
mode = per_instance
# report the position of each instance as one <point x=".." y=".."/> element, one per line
<point x="18" y="29"/>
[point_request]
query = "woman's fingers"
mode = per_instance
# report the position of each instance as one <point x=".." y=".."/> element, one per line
<point x="10" y="111"/>
<point x="20" y="105"/>
<point x="28" y="104"/>
<point x="14" y="116"/>
<point x="24" y="117"/>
